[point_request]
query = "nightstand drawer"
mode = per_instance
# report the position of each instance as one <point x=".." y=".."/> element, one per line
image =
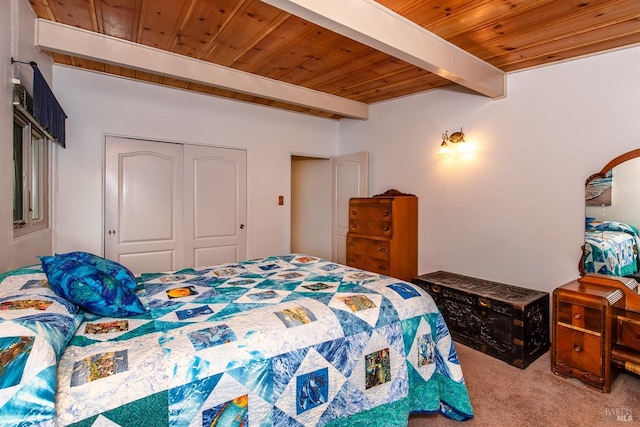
<point x="580" y="350"/>
<point x="579" y="317"/>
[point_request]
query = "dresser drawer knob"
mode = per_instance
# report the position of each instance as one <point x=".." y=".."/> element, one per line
<point x="577" y="316"/>
<point x="385" y="227"/>
<point x="353" y="212"/>
<point x="385" y="213"/>
<point x="577" y="349"/>
<point x="350" y="244"/>
<point x="383" y="250"/>
<point x="353" y="225"/>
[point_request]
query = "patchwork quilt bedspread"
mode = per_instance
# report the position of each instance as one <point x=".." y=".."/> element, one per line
<point x="286" y="341"/>
<point x="611" y="252"/>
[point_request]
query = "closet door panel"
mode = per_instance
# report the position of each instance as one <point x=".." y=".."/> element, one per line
<point x="214" y="205"/>
<point x="143" y="204"/>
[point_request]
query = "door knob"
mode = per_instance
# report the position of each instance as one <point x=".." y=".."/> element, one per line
<point x="112" y="232"/>
<point x="241" y="226"/>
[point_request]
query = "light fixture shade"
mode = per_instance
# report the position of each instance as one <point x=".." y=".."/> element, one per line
<point x="455" y="142"/>
<point x="444" y="148"/>
<point x="457" y="137"/>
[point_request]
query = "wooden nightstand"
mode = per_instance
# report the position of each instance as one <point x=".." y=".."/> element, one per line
<point x="581" y="332"/>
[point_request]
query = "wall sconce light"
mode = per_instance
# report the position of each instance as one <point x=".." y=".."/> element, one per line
<point x="448" y="141"/>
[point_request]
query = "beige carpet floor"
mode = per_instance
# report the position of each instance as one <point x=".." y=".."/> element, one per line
<point x="503" y="395"/>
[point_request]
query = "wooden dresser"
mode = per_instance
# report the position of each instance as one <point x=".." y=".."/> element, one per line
<point x="383" y="234"/>
<point x="596" y="326"/>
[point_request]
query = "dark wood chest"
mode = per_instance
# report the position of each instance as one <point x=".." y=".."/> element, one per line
<point x="507" y="322"/>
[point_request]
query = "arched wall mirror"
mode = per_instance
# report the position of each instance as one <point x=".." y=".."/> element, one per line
<point x="612" y="218"/>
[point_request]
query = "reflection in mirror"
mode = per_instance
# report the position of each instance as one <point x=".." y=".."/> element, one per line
<point x="612" y="239"/>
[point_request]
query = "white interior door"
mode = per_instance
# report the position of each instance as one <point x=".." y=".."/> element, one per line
<point x="349" y="178"/>
<point x="170" y="206"/>
<point x="143" y="204"/>
<point x="214" y="205"/>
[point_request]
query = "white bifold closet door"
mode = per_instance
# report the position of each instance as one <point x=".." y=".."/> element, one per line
<point x="170" y="206"/>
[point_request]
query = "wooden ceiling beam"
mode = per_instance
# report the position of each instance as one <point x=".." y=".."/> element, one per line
<point x="73" y="41"/>
<point x="372" y="24"/>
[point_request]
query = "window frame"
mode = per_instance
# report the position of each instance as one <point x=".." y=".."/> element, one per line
<point x="35" y="182"/>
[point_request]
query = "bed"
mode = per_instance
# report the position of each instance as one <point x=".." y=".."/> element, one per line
<point x="290" y="340"/>
<point x="612" y="248"/>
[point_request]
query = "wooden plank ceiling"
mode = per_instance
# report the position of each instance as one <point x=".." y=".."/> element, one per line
<point x="257" y="38"/>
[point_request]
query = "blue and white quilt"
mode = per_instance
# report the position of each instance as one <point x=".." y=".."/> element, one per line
<point x="281" y="341"/>
<point x="612" y="248"/>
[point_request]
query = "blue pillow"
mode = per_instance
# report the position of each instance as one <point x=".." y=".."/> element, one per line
<point x="112" y="268"/>
<point x="589" y="223"/>
<point x="616" y="226"/>
<point x="90" y="288"/>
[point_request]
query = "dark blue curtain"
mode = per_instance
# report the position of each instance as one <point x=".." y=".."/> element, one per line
<point x="46" y="109"/>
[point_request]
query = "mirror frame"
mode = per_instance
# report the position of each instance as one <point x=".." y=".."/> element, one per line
<point x="613" y="163"/>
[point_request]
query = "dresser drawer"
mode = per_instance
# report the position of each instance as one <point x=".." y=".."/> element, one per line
<point x="579" y="317"/>
<point x="580" y="350"/>
<point x="373" y="212"/>
<point x="628" y="332"/>
<point x="375" y="248"/>
<point x="369" y="263"/>
<point x="368" y="226"/>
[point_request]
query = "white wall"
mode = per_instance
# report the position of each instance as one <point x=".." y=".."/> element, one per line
<point x="99" y="104"/>
<point x="514" y="212"/>
<point x="16" y="40"/>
